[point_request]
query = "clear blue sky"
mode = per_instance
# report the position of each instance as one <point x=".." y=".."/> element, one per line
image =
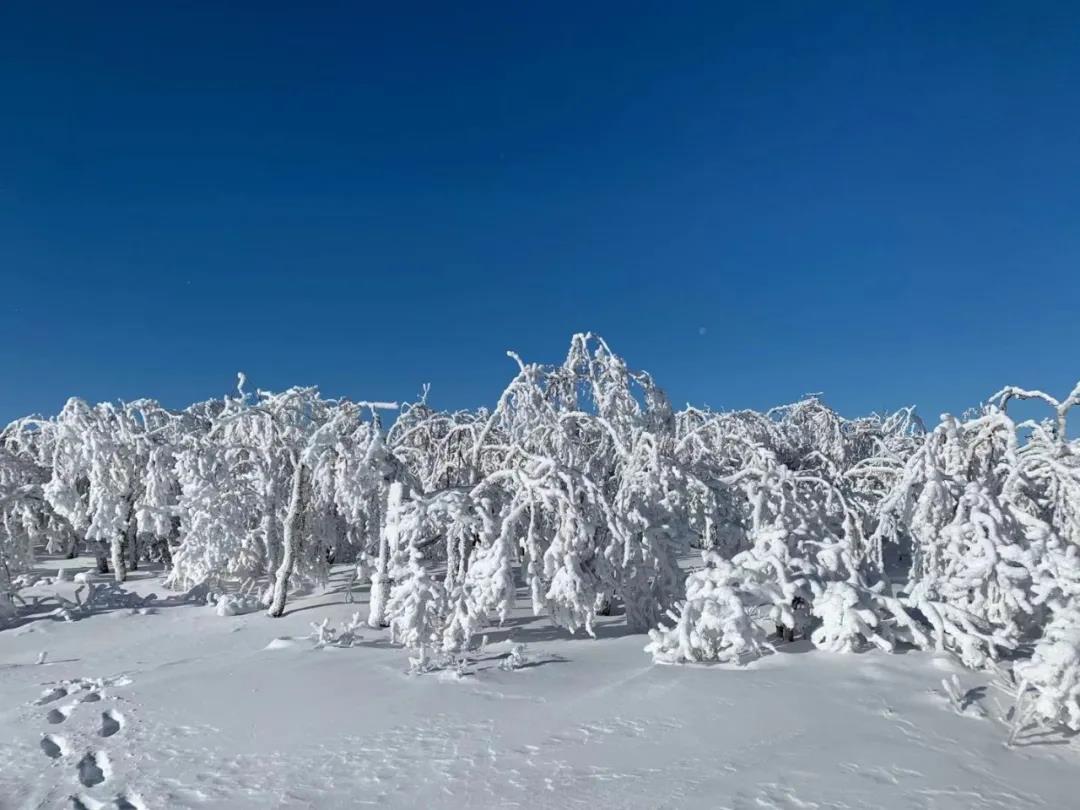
<point x="877" y="201"/>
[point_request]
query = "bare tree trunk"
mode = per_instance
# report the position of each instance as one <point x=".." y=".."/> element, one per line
<point x="119" y="564"/>
<point x="124" y="548"/>
<point x="295" y="527"/>
<point x="468" y="543"/>
<point x="133" y="547"/>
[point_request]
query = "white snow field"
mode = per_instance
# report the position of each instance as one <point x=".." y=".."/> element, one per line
<point x="174" y="706"/>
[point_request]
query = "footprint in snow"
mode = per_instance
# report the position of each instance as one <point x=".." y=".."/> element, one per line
<point x="94" y="768"/>
<point x="53" y="746"/>
<point x="49" y="695"/>
<point x="111" y="722"/>
<point x="90" y="687"/>
<point x="129" y="801"/>
<point x="123" y="801"/>
<point x="59" y="714"/>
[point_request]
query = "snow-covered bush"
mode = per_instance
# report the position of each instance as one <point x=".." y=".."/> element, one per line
<point x="346" y="635"/>
<point x="847" y="621"/>
<point x="515" y="659"/>
<point x="246" y="600"/>
<point x="417" y="607"/>
<point x="1049" y="690"/>
<point x="716" y="622"/>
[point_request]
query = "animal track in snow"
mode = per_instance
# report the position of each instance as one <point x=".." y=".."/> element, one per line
<point x="53" y="746"/>
<point x="111" y="722"/>
<point x="94" y="768"/>
<point x="91" y="697"/>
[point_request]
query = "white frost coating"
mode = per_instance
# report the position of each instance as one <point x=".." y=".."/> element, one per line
<point x="586" y="489"/>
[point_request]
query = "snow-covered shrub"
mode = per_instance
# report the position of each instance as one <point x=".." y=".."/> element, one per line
<point x="246" y="600"/>
<point x="847" y="621"/>
<point x="1049" y="690"/>
<point x="417" y="608"/>
<point x="346" y="635"/>
<point x="716" y="621"/>
<point x="515" y="659"/>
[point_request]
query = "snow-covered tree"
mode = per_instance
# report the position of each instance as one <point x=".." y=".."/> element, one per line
<point x="25" y="518"/>
<point x="389" y="547"/>
<point x="583" y="485"/>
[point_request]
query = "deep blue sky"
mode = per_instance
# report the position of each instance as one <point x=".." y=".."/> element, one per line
<point x="877" y="201"/>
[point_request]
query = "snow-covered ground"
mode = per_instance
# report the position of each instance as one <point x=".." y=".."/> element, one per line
<point x="176" y="706"/>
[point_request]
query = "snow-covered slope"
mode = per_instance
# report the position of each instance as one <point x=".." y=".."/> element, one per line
<point x="178" y="707"/>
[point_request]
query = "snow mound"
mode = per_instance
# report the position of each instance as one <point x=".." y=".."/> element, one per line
<point x="281" y="643"/>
